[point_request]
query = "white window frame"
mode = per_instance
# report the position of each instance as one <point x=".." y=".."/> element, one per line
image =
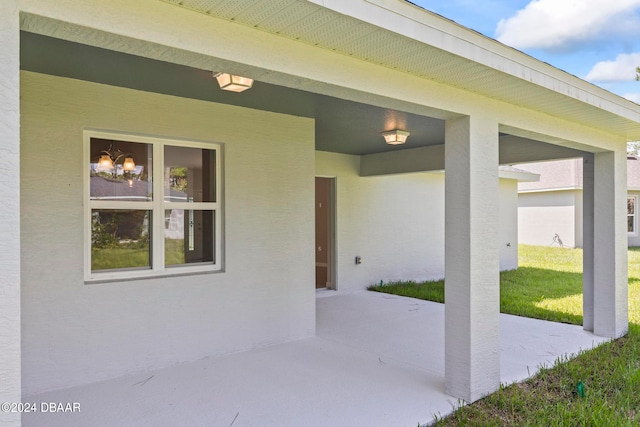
<point x="634" y="215"/>
<point x="157" y="207"/>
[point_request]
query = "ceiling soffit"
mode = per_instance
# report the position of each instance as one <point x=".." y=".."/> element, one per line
<point x="318" y="26"/>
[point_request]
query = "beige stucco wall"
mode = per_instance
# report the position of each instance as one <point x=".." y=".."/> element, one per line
<point x="396" y="223"/>
<point x="10" y="345"/>
<point x="508" y="218"/>
<point x="76" y="333"/>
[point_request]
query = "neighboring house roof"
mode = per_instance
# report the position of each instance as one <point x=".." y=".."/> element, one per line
<point x="110" y="189"/>
<point x="510" y="172"/>
<point x="567" y="175"/>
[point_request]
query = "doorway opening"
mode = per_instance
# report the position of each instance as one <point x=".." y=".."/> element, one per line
<point x="325" y="233"/>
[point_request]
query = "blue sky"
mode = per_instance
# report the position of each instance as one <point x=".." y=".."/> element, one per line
<point x="597" y="40"/>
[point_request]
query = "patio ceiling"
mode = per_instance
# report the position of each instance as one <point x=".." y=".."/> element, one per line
<point x="430" y="46"/>
<point x="426" y="45"/>
<point x="346" y="126"/>
<point x="341" y="126"/>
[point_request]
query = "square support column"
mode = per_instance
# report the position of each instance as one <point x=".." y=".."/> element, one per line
<point x="610" y="275"/>
<point x="472" y="259"/>
<point x="587" y="241"/>
<point x="10" y="327"/>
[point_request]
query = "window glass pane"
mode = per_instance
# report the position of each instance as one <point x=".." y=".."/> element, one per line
<point x="631" y="205"/>
<point x="630" y="224"/>
<point x="188" y="236"/>
<point x="120" y="170"/>
<point x="120" y="239"/>
<point x="189" y="174"/>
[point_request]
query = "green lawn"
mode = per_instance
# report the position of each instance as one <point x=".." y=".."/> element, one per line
<point x="548" y="285"/>
<point x="128" y="257"/>
<point x="111" y="258"/>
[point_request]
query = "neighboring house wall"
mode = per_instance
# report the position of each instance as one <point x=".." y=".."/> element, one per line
<point x="542" y="215"/>
<point x="395" y="223"/>
<point x="579" y="219"/>
<point x="633" y="190"/>
<point x="75" y="333"/>
<point x="553" y="205"/>
<point x="634" y="237"/>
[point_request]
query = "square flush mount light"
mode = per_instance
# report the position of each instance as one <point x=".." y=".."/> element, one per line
<point x="396" y="136"/>
<point x="233" y="83"/>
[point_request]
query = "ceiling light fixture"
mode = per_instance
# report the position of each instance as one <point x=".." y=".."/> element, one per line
<point x="396" y="136"/>
<point x="232" y="82"/>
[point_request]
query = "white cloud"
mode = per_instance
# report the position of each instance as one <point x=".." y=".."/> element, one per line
<point x="623" y="68"/>
<point x="634" y="97"/>
<point x="557" y="24"/>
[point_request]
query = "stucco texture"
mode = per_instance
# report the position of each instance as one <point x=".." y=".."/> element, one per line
<point x="75" y="333"/>
<point x="10" y="316"/>
<point x="395" y="223"/>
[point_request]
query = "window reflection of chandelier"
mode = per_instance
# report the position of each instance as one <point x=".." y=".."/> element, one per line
<point x="110" y="158"/>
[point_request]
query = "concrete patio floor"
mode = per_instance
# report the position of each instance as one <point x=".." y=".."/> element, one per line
<point x="377" y="360"/>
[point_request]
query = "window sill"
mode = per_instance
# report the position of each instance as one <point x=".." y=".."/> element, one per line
<point x="128" y="276"/>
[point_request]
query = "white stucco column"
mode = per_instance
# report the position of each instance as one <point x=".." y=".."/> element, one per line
<point x="610" y="276"/>
<point x="10" y="387"/>
<point x="472" y="264"/>
<point x="587" y="241"/>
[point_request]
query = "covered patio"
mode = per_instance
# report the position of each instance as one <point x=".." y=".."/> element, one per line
<point x="238" y="341"/>
<point x="376" y="360"/>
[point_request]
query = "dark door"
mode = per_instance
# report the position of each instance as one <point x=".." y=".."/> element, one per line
<point x="323" y="232"/>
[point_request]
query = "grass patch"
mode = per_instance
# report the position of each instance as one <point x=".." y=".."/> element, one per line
<point x="128" y="257"/>
<point x="174" y="251"/>
<point x="610" y="375"/>
<point x="110" y="258"/>
<point x="548" y="285"/>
